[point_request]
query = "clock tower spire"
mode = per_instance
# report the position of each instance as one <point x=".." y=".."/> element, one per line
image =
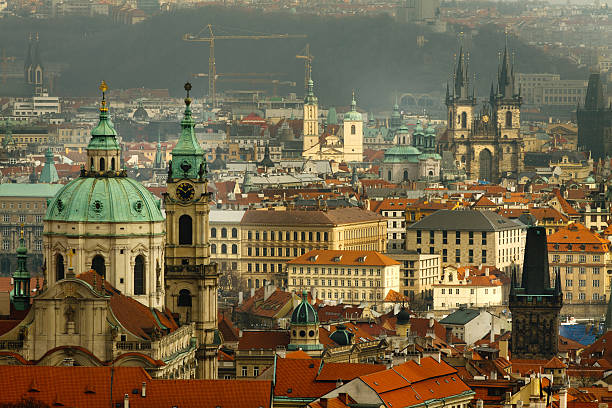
<point x="191" y="279"/>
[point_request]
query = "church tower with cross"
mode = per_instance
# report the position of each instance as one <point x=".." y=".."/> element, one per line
<point x="191" y="279"/>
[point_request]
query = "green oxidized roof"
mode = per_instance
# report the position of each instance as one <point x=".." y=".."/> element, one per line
<point x="353" y="115"/>
<point x="104" y="199"/>
<point x="310" y="98"/>
<point x="304" y="313"/>
<point x="426" y="156"/>
<point x="48" y="173"/>
<point x="341" y="336"/>
<point x="402" y="154"/>
<point x="104" y="135"/>
<point x="187" y="155"/>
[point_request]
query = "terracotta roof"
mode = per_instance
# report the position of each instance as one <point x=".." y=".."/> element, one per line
<point x="263" y="339"/>
<point x="359" y="335"/>
<point x="298" y="355"/>
<point x="346" y="371"/>
<point x="270" y="307"/>
<point x="344" y="258"/>
<point x="91" y="387"/>
<point x="527" y="366"/>
<point x="420" y="326"/>
<point x="390" y="204"/>
<point x="484" y="202"/>
<point x="576" y="238"/>
<point x="227" y="329"/>
<point x="555" y="363"/>
<point x="341" y="401"/>
<point x="133" y="315"/>
<point x="413" y="383"/>
<point x="338" y="216"/>
<point x="327" y="313"/>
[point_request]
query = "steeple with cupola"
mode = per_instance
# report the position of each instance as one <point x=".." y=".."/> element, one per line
<point x="304" y="330"/>
<point x="311" y="118"/>
<point x="191" y="279"/>
<point x="103" y="150"/>
<point x="21" y="278"/>
<point x="353" y="134"/>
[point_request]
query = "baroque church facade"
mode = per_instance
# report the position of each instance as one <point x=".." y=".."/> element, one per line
<point x="486" y="144"/>
<point x="123" y="285"/>
<point x="338" y="143"/>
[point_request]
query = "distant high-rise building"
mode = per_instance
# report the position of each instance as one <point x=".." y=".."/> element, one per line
<point x="595" y="120"/>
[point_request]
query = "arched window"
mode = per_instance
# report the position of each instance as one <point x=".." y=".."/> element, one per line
<point x="224" y="249"/>
<point x="508" y="119"/>
<point x="464" y="120"/>
<point x="92" y="163"/>
<point x="59" y="267"/>
<point x="256" y="283"/>
<point x="184" y="298"/>
<point x="389" y="175"/>
<point x="139" y="275"/>
<point x="486" y="165"/>
<point x="234" y="249"/>
<point x="234" y="233"/>
<point x="113" y="164"/>
<point x="353" y="129"/>
<point x="405" y="175"/>
<point x="185" y="230"/>
<point x="38" y="77"/>
<point x="102" y="164"/>
<point x="213" y="249"/>
<point x="223" y="232"/>
<point x="213" y="233"/>
<point x="98" y="265"/>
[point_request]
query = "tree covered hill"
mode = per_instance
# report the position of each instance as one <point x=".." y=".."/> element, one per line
<point x="375" y="56"/>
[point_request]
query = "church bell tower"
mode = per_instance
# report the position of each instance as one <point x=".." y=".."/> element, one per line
<point x="191" y="279"/>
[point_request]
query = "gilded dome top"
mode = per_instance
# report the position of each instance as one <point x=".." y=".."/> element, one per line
<point x="104" y="199"/>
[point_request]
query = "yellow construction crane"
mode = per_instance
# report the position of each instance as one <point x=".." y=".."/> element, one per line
<point x="210" y="39"/>
<point x="307" y="57"/>
<point x="274" y="82"/>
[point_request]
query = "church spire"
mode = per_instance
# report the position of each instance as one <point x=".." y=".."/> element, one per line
<point x="21" y="277"/>
<point x="506" y="75"/>
<point x="49" y="172"/>
<point x="461" y="77"/>
<point x="310" y="98"/>
<point x="188" y="156"/>
<point x="103" y="150"/>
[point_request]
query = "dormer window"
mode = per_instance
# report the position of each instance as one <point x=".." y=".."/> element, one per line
<point x="361" y="259"/>
<point x="337" y="258"/>
<point x="313" y="258"/>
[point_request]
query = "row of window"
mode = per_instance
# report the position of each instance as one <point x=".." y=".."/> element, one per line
<point x="581" y="258"/>
<point x="20" y="205"/>
<point x="213" y="249"/>
<point x="348" y="295"/>
<point x="582" y="296"/>
<point x="7" y="231"/>
<point x="278" y="235"/>
<point x="336" y="271"/>
<point x="295" y="252"/>
<point x="22" y="218"/>
<point x="582" y="270"/>
<point x="334" y="282"/>
<point x="420" y="234"/>
<point x="458" y="291"/>
<point x="264" y="267"/>
<point x="6" y="245"/>
<point x="470" y="257"/>
<point x="581" y="283"/>
<point x="223" y="232"/>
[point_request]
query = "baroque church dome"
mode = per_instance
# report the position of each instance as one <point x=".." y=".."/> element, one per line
<point x="304" y="313"/>
<point x="104" y="199"/>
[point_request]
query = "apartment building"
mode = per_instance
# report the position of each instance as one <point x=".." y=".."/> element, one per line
<point x="469" y="237"/>
<point x="349" y="277"/>
<point x="582" y="258"/>
<point x="550" y="89"/>
<point x="394" y="210"/>
<point x="418" y="273"/>
<point x="23" y="206"/>
<point x="460" y="288"/>
<point x="271" y="238"/>
<point x="225" y="245"/>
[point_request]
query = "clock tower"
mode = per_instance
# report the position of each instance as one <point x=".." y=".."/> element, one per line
<point x="191" y="279"/>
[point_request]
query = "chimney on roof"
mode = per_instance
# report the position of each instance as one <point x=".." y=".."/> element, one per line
<point x="563" y="398"/>
<point x="339" y="383"/>
<point x="240" y="297"/>
<point x="344" y="398"/>
<point x="126" y="401"/>
<point x="486" y="271"/>
<point x="323" y="402"/>
<point x="431" y="322"/>
<point x="479" y="403"/>
<point x="252" y="292"/>
<point x="268" y="290"/>
<point x="143" y="390"/>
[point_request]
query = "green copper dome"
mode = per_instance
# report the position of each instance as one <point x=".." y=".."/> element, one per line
<point x="418" y="130"/>
<point x="304" y="313"/>
<point x="104" y="199"/>
<point x="104" y="135"/>
<point x="310" y="98"/>
<point x="353" y="115"/>
<point x="341" y="335"/>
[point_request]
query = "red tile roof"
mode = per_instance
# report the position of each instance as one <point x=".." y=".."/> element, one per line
<point x="270" y="307"/>
<point x="344" y="258"/>
<point x="555" y="363"/>
<point x="91" y="387"/>
<point x="577" y="238"/>
<point x="263" y="339"/>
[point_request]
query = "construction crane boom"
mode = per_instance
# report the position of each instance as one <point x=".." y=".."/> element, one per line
<point x="212" y="69"/>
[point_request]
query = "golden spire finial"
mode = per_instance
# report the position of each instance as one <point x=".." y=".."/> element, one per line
<point x="103" y="87"/>
<point x="187" y="89"/>
<point x="21" y="231"/>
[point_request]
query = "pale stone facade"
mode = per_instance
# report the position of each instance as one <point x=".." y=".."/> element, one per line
<point x="455" y="290"/>
<point x="418" y="273"/>
<point x="349" y="277"/>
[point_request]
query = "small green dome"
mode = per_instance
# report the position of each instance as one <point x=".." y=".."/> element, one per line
<point x="104" y="199"/>
<point x="304" y="313"/>
<point x="403" y="151"/>
<point x="403" y="317"/>
<point x="589" y="179"/>
<point x="104" y="135"/>
<point x="341" y="335"/>
<point x="418" y="128"/>
<point x="353" y="115"/>
<point x="430" y="130"/>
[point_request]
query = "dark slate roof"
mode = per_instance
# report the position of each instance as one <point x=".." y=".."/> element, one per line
<point x="461" y="316"/>
<point x="465" y="220"/>
<point x="537" y="159"/>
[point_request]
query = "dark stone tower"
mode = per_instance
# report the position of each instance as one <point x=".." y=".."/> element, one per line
<point x="534" y="304"/>
<point x="595" y="120"/>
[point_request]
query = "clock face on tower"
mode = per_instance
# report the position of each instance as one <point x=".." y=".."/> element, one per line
<point x="185" y="191"/>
